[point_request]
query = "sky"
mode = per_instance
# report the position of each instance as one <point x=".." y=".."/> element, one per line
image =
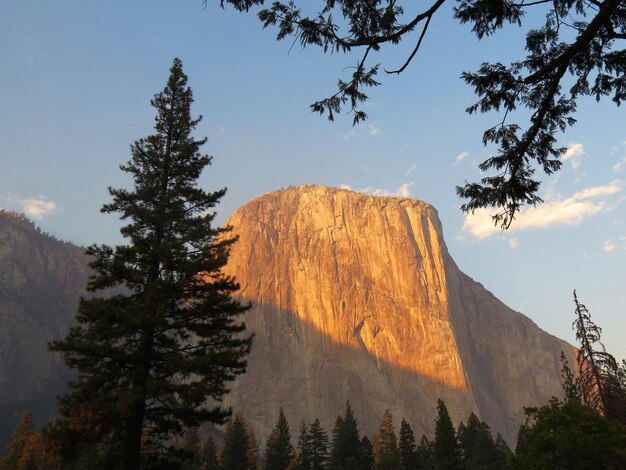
<point x="75" y="90"/>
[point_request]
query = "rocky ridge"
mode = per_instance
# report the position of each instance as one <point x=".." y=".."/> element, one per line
<point x="356" y="297"/>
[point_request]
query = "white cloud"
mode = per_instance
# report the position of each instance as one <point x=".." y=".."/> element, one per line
<point x="573" y="154"/>
<point x="372" y="130"/>
<point x="512" y="243"/>
<point x="609" y="246"/>
<point x="403" y="190"/>
<point x="462" y="156"/>
<point x="33" y="208"/>
<point x="619" y="166"/>
<point x="37" y="208"/>
<point x="410" y="170"/>
<point x="555" y="211"/>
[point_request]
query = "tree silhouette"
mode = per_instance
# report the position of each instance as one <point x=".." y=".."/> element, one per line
<point x="158" y="356"/>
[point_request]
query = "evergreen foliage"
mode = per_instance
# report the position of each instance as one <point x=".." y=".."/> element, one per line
<point x="278" y="450"/>
<point x="386" y="454"/>
<point x="599" y="375"/>
<point x="478" y="450"/>
<point x="303" y="459"/>
<point x="208" y="454"/>
<point x="366" y="458"/>
<point x="407" y="447"/>
<point x="445" y="447"/>
<point x="316" y="446"/>
<point x="569" y="435"/>
<point x="576" y="51"/>
<point x="153" y="356"/>
<point x="346" y="445"/>
<point x="425" y="453"/>
<point x="235" y="451"/>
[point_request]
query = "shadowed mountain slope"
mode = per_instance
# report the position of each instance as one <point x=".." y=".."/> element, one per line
<point x="41" y="280"/>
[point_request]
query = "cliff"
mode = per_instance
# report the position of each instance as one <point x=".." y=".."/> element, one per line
<point x="356" y="297"/>
<point x="41" y="280"/>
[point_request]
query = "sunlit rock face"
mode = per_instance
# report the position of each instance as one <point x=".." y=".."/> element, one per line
<point x="355" y="297"/>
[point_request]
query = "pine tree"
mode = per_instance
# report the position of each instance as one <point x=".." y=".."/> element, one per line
<point x="445" y="448"/>
<point x="425" y="453"/>
<point x="386" y="451"/>
<point x="278" y="449"/>
<point x="599" y="375"/>
<point x="304" y="448"/>
<point x="346" y="446"/>
<point x="407" y="447"/>
<point x="366" y="454"/>
<point x="156" y="353"/>
<point x="234" y="454"/>
<point x="317" y="446"/>
<point x="21" y="435"/>
<point x="478" y="451"/>
<point x="208" y="454"/>
<point x="253" y="451"/>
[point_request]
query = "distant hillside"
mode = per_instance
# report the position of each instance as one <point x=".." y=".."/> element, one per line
<point x="41" y="280"/>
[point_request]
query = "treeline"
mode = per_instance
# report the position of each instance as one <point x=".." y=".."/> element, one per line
<point x="561" y="435"/>
<point x="346" y="448"/>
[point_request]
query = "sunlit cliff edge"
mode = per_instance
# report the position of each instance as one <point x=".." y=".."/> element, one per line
<point x="356" y="297"/>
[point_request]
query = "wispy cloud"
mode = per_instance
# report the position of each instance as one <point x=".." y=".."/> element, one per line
<point x="512" y="243"/>
<point x="573" y="154"/>
<point x="555" y="211"/>
<point x="371" y="130"/>
<point x="609" y="246"/>
<point x="461" y="156"/>
<point x="403" y="190"/>
<point x="410" y="170"/>
<point x="619" y="166"/>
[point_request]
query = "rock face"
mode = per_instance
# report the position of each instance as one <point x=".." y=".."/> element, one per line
<point x="41" y="280"/>
<point x="355" y="297"/>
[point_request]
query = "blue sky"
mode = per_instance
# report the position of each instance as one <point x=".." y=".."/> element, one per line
<point x="75" y="87"/>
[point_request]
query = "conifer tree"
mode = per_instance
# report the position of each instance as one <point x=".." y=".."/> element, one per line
<point x="304" y="448"/>
<point x="208" y="454"/>
<point x="22" y="433"/>
<point x="317" y="444"/>
<point x="253" y="451"/>
<point x="155" y="354"/>
<point x="425" y="453"/>
<point x="366" y="457"/>
<point x="234" y="454"/>
<point x="599" y="374"/>
<point x="445" y="448"/>
<point x="476" y="444"/>
<point x="407" y="447"/>
<point x="278" y="450"/>
<point x="386" y="452"/>
<point x="346" y="446"/>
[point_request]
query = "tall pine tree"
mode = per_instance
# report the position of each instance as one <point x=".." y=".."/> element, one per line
<point x="346" y="445"/>
<point x="278" y="450"/>
<point x="445" y="447"/>
<point x="407" y="447"/>
<point x="235" y="452"/>
<point x="386" y="448"/>
<point x="154" y="355"/>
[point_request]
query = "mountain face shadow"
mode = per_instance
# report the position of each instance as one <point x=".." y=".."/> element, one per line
<point x="295" y="366"/>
